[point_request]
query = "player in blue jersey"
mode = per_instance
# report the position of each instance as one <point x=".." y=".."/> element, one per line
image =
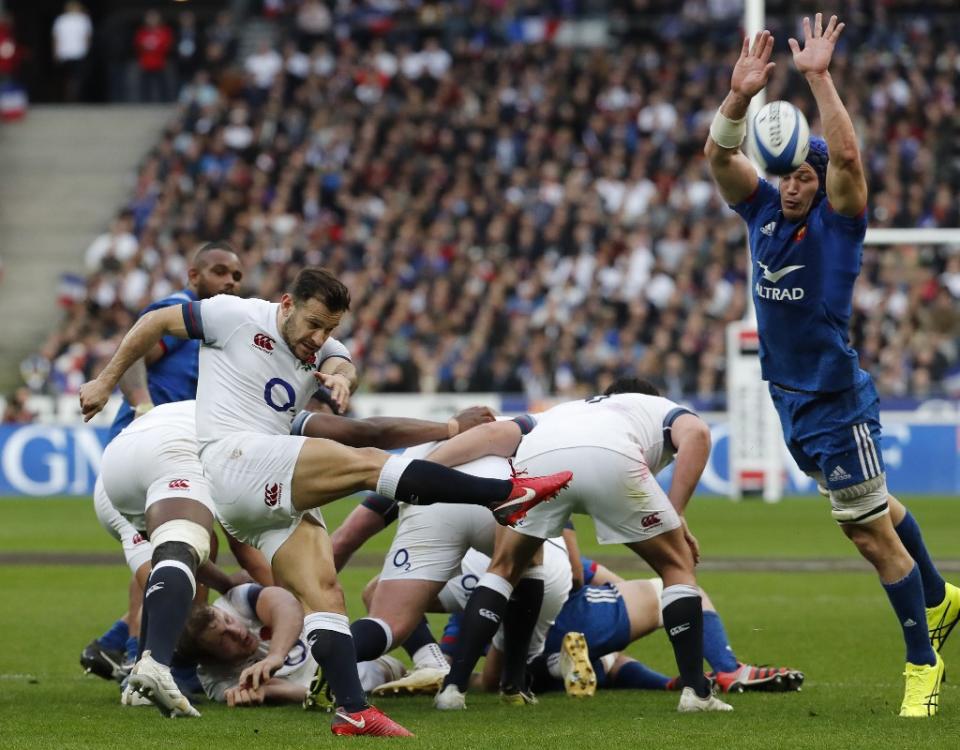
<point x="806" y="242"/>
<point x="168" y="373"/>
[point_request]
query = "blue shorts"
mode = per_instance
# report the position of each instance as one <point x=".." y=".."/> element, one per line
<point x="835" y="434"/>
<point x="600" y="614"/>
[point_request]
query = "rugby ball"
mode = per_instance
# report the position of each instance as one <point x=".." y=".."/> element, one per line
<point x="779" y="137"/>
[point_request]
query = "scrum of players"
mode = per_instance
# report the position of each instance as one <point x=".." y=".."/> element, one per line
<point x="250" y="437"/>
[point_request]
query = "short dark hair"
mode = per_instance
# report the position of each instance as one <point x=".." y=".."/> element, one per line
<point x="320" y="284"/>
<point x="632" y="385"/>
<point x="209" y="247"/>
<point x="189" y="648"/>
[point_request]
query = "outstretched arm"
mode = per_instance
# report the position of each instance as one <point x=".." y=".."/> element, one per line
<point x="140" y="339"/>
<point x="493" y="439"/>
<point x="388" y="433"/>
<point x="846" y="185"/>
<point x="733" y="172"/>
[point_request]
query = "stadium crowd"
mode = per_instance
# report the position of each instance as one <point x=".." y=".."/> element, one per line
<point x="517" y="216"/>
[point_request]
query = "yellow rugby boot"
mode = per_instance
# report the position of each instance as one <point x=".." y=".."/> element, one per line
<point x="921" y="695"/>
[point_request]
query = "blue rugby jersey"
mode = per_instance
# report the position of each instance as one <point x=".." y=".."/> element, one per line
<point x="803" y="277"/>
<point x="173" y="377"/>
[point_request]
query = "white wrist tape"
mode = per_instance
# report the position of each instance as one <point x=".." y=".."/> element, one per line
<point x="728" y="133"/>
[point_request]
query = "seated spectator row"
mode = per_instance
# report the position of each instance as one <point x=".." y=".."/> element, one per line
<point x="517" y="216"/>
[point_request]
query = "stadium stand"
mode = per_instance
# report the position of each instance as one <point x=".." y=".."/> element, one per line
<point x="515" y="215"/>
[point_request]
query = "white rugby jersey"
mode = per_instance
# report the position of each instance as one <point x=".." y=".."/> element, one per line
<point x="298" y="667"/>
<point x="180" y="416"/>
<point x="633" y="424"/>
<point x="249" y="380"/>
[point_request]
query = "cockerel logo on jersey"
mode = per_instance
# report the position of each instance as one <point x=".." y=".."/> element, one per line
<point x="264" y="342"/>
<point x="271" y="494"/>
<point x="178" y="484"/>
<point x="800" y="233"/>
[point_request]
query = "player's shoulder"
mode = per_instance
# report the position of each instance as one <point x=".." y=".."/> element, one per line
<point x="181" y="297"/>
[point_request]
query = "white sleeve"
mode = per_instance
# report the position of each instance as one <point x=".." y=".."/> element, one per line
<point x="216" y="681"/>
<point x="213" y="320"/>
<point x="243" y="599"/>
<point x="333" y="348"/>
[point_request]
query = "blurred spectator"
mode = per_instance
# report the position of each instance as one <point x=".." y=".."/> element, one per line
<point x="16" y="411"/>
<point x="72" y="32"/>
<point x="189" y="46"/>
<point x="153" y="42"/>
<point x="111" y="250"/>
<point x="263" y="66"/>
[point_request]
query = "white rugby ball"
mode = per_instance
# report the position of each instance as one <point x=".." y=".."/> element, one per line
<point x="779" y="137"/>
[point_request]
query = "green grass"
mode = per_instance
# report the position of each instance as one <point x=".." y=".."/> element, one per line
<point x="795" y="528"/>
<point x="837" y="627"/>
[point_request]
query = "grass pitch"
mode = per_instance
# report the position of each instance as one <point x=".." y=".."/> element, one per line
<point x="837" y="627"/>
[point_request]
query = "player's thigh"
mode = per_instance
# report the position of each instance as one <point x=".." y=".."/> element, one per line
<point x="326" y="470"/>
<point x="303" y="565"/>
<point x="402" y="604"/>
<point x="642" y="599"/>
<point x="669" y="555"/>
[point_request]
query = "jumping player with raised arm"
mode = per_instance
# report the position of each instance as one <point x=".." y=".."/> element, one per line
<point x="808" y="237"/>
<point x="260" y="363"/>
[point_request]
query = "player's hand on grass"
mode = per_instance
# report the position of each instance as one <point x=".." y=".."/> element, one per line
<point x="238" y="696"/>
<point x="753" y="68"/>
<point x="257" y="675"/>
<point x="691" y="540"/>
<point x="470" y="418"/>
<point x="93" y="397"/>
<point x="339" y="387"/>
<point x="818" y="44"/>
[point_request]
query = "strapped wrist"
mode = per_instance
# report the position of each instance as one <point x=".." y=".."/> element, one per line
<point x="728" y="133"/>
<point x="453" y="427"/>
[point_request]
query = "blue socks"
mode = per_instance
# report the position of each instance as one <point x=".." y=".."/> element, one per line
<point x="906" y="596"/>
<point x="115" y="639"/>
<point x="716" y="646"/>
<point x="934" y="589"/>
<point x="132" y="648"/>
<point x="639" y="677"/>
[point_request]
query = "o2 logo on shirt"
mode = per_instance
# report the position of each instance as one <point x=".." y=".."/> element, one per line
<point x="402" y="560"/>
<point x="279" y="394"/>
<point x="296" y="655"/>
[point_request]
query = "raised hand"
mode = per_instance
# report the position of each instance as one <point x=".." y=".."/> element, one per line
<point x="753" y="69"/>
<point x="818" y="44"/>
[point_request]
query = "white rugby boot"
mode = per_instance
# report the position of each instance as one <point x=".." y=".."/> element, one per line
<point x="154" y="682"/>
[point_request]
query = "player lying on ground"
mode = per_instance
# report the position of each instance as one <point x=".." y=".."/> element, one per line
<point x="616" y="444"/>
<point x="808" y="237"/>
<point x="251" y="649"/>
<point x="260" y="363"/>
<point x="583" y="647"/>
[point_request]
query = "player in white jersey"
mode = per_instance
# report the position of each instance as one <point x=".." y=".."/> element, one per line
<point x="615" y="444"/>
<point x="259" y="365"/>
<point x="150" y="475"/>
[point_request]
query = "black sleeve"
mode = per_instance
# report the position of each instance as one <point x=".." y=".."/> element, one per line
<point x="387" y="508"/>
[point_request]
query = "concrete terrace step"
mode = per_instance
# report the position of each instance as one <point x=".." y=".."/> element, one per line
<point x="64" y="173"/>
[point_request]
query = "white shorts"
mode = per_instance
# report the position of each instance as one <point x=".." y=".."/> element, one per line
<point x="137" y="550"/>
<point x="431" y="540"/>
<point x="251" y="475"/>
<point x="145" y="466"/>
<point x="556" y="588"/>
<point x="617" y="491"/>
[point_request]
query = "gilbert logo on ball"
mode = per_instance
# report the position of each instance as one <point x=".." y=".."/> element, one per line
<point x="779" y="137"/>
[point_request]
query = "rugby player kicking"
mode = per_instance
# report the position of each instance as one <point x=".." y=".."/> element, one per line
<point x="260" y="363"/>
